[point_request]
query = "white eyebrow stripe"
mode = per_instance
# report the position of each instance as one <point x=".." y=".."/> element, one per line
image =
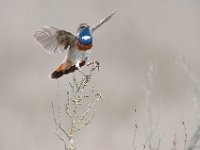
<point x="86" y="37"/>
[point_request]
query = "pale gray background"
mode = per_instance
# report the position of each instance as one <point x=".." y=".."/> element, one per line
<point x="142" y="31"/>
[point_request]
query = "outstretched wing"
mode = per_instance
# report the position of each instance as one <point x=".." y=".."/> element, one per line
<point x="101" y="22"/>
<point x="54" y="40"/>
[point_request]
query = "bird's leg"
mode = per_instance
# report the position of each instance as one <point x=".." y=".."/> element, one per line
<point x="87" y="61"/>
<point x="79" y="69"/>
<point x="87" y="77"/>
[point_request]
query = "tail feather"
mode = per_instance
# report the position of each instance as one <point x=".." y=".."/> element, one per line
<point x="56" y="74"/>
<point x="61" y="70"/>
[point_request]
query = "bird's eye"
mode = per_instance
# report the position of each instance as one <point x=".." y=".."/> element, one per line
<point x="82" y="27"/>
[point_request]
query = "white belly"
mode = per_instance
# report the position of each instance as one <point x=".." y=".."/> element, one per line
<point x="76" y="56"/>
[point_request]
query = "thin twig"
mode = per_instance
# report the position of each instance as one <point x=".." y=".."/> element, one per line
<point x="159" y="141"/>
<point x="186" y="135"/>
<point x="174" y="142"/>
<point x="64" y="131"/>
<point x="62" y="139"/>
<point x="90" y="106"/>
<point x="54" y="116"/>
<point x="196" y="86"/>
<point x="144" y="145"/>
<point x="80" y="85"/>
<point x="72" y="87"/>
<point x="87" y="121"/>
<point x="135" y="131"/>
<point x="148" y="90"/>
<point x="57" y="127"/>
<point x="74" y="101"/>
<point x="67" y="105"/>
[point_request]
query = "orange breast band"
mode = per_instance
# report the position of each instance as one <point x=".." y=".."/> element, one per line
<point x="84" y="47"/>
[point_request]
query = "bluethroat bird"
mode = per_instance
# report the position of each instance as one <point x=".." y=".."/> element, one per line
<point x="55" y="40"/>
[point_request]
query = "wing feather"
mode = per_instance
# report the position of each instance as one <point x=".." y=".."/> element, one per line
<point x="101" y="22"/>
<point x="54" y="40"/>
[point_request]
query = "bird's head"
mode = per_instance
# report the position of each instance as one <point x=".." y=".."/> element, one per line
<point x="82" y="26"/>
<point x="85" y="35"/>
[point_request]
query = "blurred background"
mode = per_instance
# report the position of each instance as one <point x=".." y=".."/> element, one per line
<point x="141" y="33"/>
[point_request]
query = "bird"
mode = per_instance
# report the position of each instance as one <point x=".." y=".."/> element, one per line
<point x="54" y="41"/>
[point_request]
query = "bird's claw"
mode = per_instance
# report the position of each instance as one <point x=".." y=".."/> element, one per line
<point x="97" y="65"/>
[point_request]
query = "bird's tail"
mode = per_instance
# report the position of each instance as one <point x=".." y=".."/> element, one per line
<point x="59" y="72"/>
<point x="65" y="69"/>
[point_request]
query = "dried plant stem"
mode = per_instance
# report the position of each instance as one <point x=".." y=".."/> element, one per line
<point x="174" y="142"/>
<point x="194" y="139"/>
<point x="186" y="135"/>
<point x="159" y="141"/>
<point x="135" y="131"/>
<point x="148" y="87"/>
<point x="196" y="86"/>
<point x="73" y="103"/>
<point x="57" y="128"/>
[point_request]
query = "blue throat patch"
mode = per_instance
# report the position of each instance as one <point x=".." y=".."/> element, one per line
<point x="85" y="36"/>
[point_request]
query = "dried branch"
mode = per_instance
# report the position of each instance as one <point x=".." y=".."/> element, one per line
<point x="62" y="139"/>
<point x="57" y="128"/>
<point x="91" y="106"/>
<point x="148" y="90"/>
<point x="135" y="131"/>
<point x="194" y="139"/>
<point x="159" y="141"/>
<point x="67" y="105"/>
<point x="74" y="101"/>
<point x="87" y="121"/>
<point x="195" y="83"/>
<point x="174" y="142"/>
<point x="186" y="135"/>
<point x="145" y="145"/>
<point x="54" y="116"/>
<point x="196" y="86"/>
<point x="72" y="87"/>
<point x="80" y="85"/>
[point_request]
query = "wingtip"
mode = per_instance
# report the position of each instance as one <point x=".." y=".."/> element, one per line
<point x="115" y="11"/>
<point x="112" y="14"/>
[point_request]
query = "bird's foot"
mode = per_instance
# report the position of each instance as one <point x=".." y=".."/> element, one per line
<point x="95" y="64"/>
